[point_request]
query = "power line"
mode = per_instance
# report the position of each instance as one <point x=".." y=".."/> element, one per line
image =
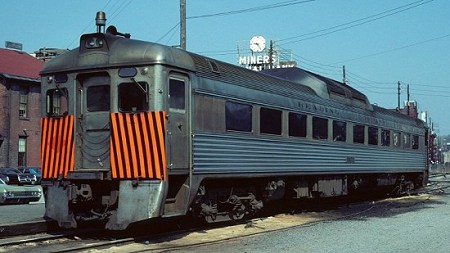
<point x="253" y="9"/>
<point x="397" y="48"/>
<point x="170" y="30"/>
<point x="354" y="23"/>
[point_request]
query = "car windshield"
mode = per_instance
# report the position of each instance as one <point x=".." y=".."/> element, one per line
<point x="34" y="171"/>
<point x="1" y="181"/>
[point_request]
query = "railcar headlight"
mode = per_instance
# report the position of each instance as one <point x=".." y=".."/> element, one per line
<point x="94" y="42"/>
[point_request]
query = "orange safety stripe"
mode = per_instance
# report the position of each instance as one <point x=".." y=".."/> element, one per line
<point x="57" y="147"/>
<point x="137" y="145"/>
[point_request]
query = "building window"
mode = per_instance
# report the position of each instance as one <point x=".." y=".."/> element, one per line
<point x="297" y="125"/>
<point x="23" y="103"/>
<point x="238" y="117"/>
<point x="270" y="121"/>
<point x="320" y="128"/>
<point x="22" y="158"/>
<point x="339" y="131"/>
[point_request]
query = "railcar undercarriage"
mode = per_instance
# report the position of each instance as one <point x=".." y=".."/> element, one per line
<point x="219" y="200"/>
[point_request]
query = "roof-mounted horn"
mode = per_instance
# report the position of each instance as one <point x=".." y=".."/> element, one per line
<point x="113" y="30"/>
<point x="100" y="21"/>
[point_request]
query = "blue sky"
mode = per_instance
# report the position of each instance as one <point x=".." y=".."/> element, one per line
<point x="380" y="42"/>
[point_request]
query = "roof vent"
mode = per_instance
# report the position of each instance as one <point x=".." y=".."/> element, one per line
<point x="214" y="67"/>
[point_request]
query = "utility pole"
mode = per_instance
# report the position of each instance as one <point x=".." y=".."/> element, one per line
<point x="344" y="75"/>
<point x="407" y="97"/>
<point x="183" y="24"/>
<point x="398" y="95"/>
<point x="271" y="55"/>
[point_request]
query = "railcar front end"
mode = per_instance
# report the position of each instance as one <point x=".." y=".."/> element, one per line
<point x="104" y="124"/>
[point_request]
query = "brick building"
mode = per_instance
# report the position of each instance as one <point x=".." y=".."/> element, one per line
<point x="19" y="109"/>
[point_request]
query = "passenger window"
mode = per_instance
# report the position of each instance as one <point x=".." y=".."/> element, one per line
<point x="98" y="98"/>
<point x="339" y="131"/>
<point x="57" y="102"/>
<point x="373" y="136"/>
<point x="415" y="142"/>
<point x="385" y="138"/>
<point x="320" y="128"/>
<point x="133" y="97"/>
<point x="297" y="125"/>
<point x="238" y="117"/>
<point x="358" y="134"/>
<point x="176" y="94"/>
<point x="270" y="121"/>
<point x="396" y="139"/>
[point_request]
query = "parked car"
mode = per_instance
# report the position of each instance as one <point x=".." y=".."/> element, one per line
<point x="10" y="194"/>
<point x="15" y="176"/>
<point x="3" y="177"/>
<point x="33" y="171"/>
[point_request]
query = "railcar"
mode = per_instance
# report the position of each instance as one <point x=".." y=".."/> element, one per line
<point x="134" y="130"/>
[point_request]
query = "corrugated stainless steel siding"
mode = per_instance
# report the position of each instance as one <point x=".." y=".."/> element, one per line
<point x="229" y="153"/>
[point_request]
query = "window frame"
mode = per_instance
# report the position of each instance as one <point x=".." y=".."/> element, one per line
<point x="23" y="103"/>
<point x="298" y="125"/>
<point x="181" y="96"/>
<point x="319" y="128"/>
<point x="238" y="119"/>
<point x="270" y="121"/>
<point x="372" y="138"/>
<point x="357" y="134"/>
<point x="143" y="92"/>
<point x="339" y="132"/>
<point x="22" y="151"/>
<point x="385" y="138"/>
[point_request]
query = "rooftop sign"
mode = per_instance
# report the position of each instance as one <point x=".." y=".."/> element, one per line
<point x="13" y="45"/>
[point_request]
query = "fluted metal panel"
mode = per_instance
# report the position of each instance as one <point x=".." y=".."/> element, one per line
<point x="230" y="153"/>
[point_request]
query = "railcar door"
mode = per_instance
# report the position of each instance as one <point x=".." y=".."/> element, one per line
<point x="93" y="126"/>
<point x="178" y="124"/>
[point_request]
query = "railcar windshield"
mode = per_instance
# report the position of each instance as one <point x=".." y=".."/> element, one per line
<point x="133" y="97"/>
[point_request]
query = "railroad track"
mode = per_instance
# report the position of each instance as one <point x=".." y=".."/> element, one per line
<point x="174" y="236"/>
<point x="163" y="239"/>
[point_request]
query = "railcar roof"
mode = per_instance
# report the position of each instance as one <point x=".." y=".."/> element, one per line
<point x="117" y="52"/>
<point x="398" y="115"/>
<point x="323" y="86"/>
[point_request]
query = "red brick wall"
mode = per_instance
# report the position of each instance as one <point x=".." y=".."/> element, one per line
<point x="4" y="126"/>
<point x="12" y="127"/>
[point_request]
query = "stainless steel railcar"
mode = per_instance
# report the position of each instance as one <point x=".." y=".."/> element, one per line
<point x="133" y="130"/>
